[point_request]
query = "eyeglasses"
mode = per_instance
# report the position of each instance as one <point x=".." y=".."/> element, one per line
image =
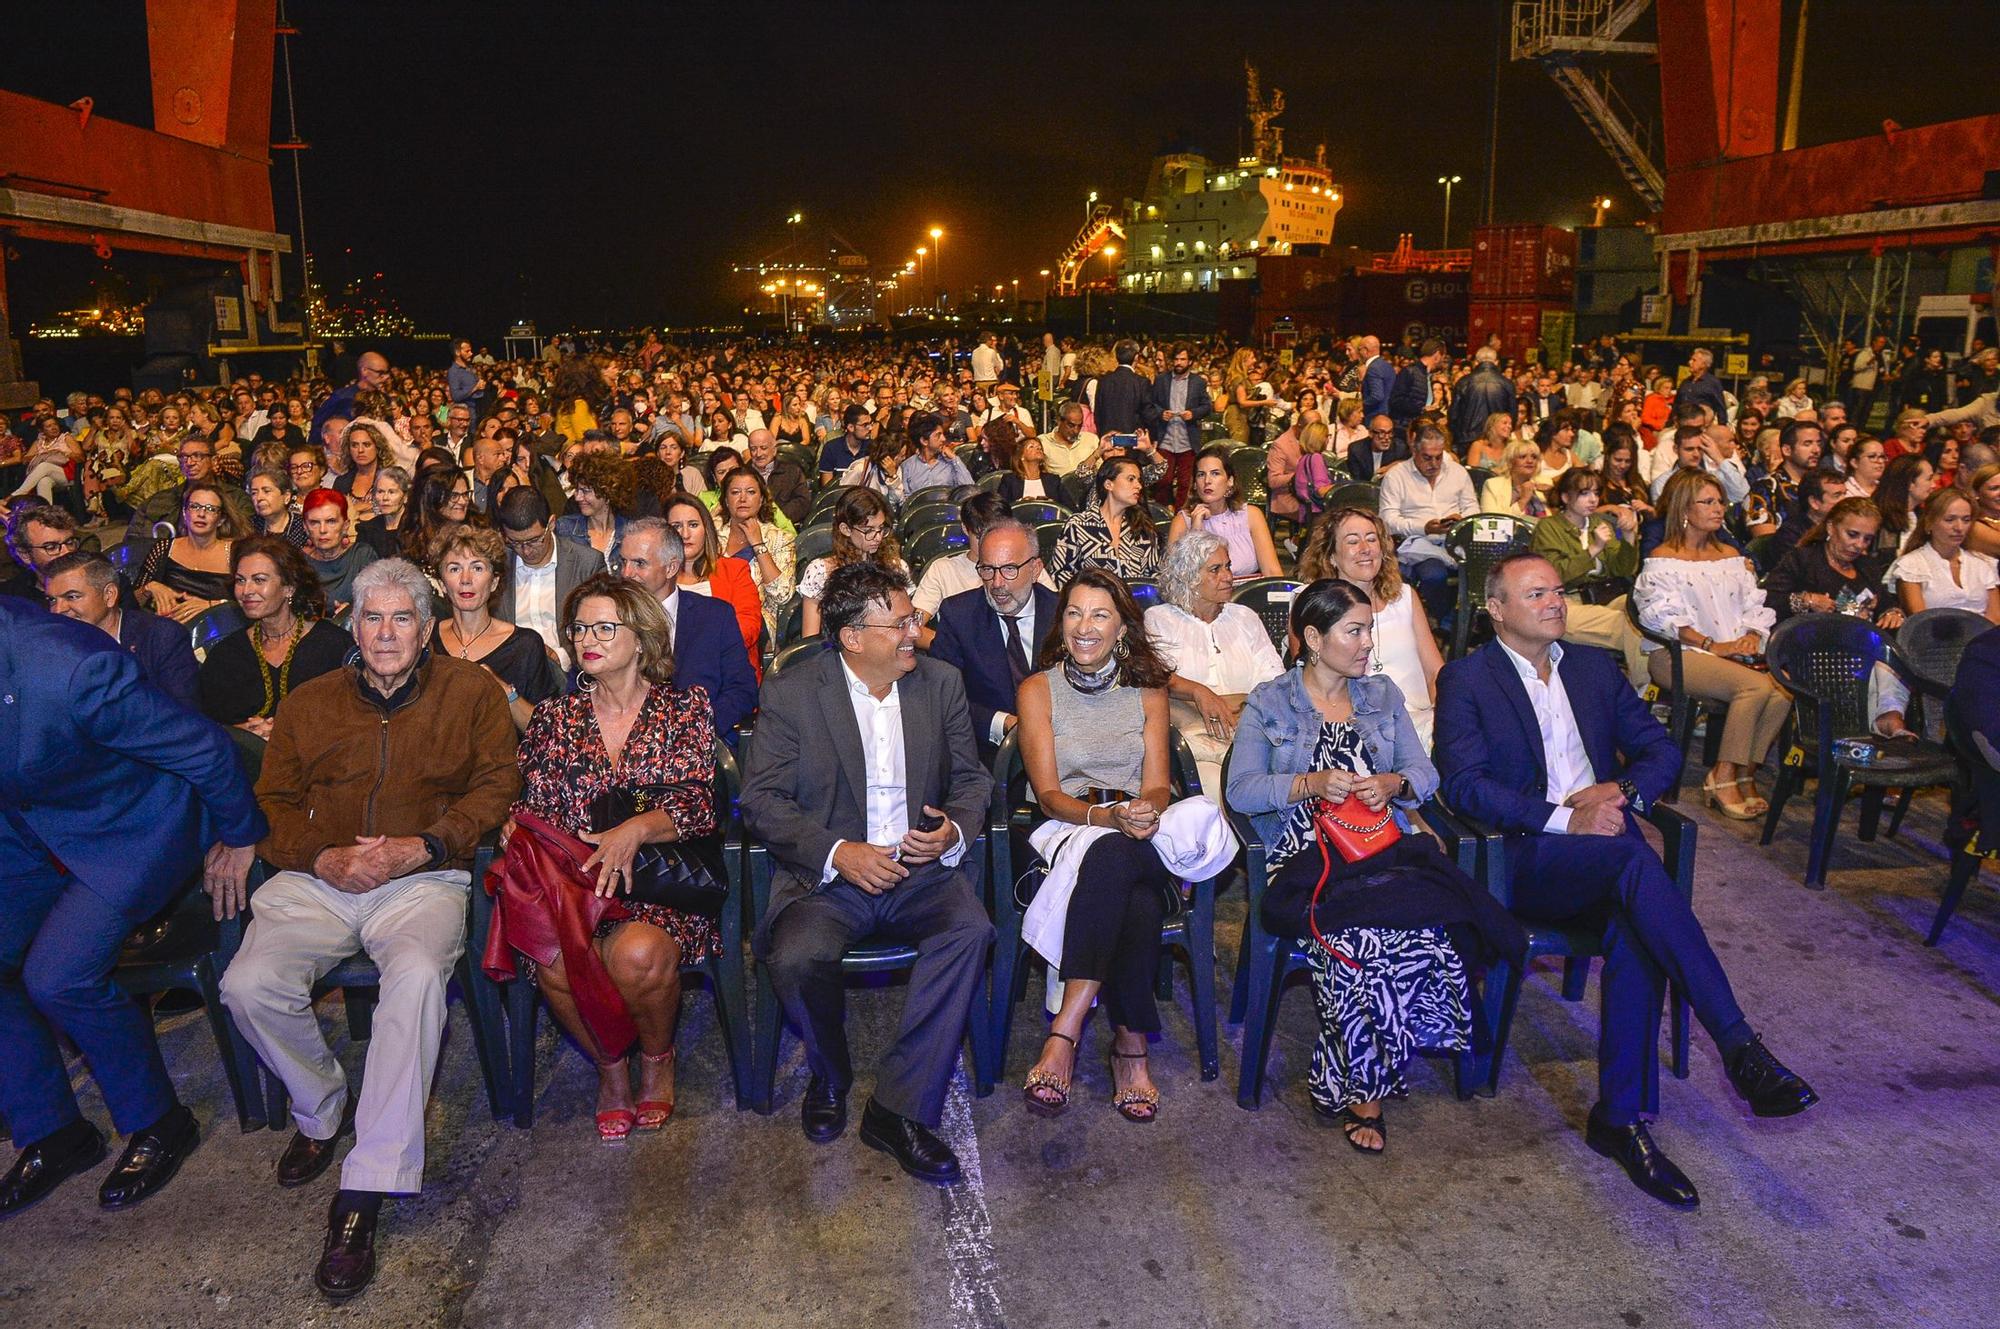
<point x="51" y="548"/>
<point x="904" y="625"/>
<point x="302" y="467"/>
<point x="1007" y="571"/>
<point x="601" y="631"/>
<point x="523" y="541"/>
<point x="196" y="456"/>
<point x="206" y="509"/>
<point x="880" y="529"/>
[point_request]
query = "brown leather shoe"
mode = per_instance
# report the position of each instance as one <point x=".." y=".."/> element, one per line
<point x="347" y="1262"/>
<point x="305" y="1158"/>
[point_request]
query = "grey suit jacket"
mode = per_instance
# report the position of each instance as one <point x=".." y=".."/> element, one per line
<point x="805" y="780"/>
<point x="576" y="563"/>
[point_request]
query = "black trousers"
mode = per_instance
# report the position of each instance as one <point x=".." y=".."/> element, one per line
<point x="1111" y="934"/>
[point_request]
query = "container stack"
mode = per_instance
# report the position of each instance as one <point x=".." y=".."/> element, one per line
<point x="1524" y="288"/>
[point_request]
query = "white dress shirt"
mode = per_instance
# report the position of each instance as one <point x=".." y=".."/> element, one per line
<point x="535" y="605"/>
<point x="1409" y="502"/>
<point x="1567" y="763"/>
<point x="888" y="800"/>
<point x="996" y="732"/>
<point x="671" y="607"/>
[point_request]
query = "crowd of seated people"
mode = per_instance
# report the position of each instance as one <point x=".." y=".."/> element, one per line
<point x="434" y="616"/>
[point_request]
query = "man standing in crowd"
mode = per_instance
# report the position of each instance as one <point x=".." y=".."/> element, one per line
<point x="85" y="587"/>
<point x="1420" y="503"/>
<point x="462" y="380"/>
<point x="1180" y="402"/>
<point x="989" y="633"/>
<point x="708" y="646"/>
<point x="1378" y="378"/>
<point x="864" y="782"/>
<point x="543" y="568"/>
<point x="790" y="490"/>
<point x="1551" y="746"/>
<point x="1124" y="400"/>
<point x="379" y="782"/>
<point x="1701" y="387"/>
<point x="110" y="796"/>
<point x="1414" y="391"/>
<point x="371" y="374"/>
<point x="1480" y="395"/>
<point x="986" y="363"/>
<point x="1864" y="371"/>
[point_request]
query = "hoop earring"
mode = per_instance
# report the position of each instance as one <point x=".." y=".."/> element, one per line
<point x="586" y="683"/>
<point x="1121" y="650"/>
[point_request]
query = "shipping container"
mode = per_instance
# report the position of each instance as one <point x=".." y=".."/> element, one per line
<point x="1289" y="279"/>
<point x="1523" y="262"/>
<point x="1404" y="307"/>
<point x="1523" y="326"/>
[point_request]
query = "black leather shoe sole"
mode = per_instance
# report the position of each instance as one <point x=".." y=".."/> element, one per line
<point x="155" y="1183"/>
<point x="1639" y="1178"/>
<point x="874" y="1141"/>
<point x="53" y="1179"/>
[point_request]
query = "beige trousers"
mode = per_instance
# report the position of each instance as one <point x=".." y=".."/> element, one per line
<point x="1757" y="705"/>
<point x="1607" y="626"/>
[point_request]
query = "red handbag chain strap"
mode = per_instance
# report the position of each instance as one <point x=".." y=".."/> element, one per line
<point x="1322" y="815"/>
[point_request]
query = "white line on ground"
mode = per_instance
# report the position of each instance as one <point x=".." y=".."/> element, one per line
<point x="968" y="1228"/>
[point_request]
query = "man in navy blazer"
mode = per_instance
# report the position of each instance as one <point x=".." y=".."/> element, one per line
<point x="85" y="587"/>
<point x="1550" y="745"/>
<point x="1124" y="401"/>
<point x="110" y="795"/>
<point x="1180" y="403"/>
<point x="1413" y="390"/>
<point x="708" y="646"/>
<point x="1378" y="378"/>
<point x="974" y="636"/>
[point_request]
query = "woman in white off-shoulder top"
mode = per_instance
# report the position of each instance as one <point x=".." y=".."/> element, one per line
<point x="1705" y="593"/>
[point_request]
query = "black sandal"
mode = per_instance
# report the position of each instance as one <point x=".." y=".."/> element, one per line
<point x="1135" y="1105"/>
<point x="1351" y="1121"/>
<point x="1055" y="1101"/>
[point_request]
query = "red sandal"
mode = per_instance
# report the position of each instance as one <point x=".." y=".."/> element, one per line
<point x="614" y="1124"/>
<point x="654" y="1112"/>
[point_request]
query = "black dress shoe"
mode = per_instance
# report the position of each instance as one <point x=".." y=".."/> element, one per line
<point x="151" y="1158"/>
<point x="1764" y="1081"/>
<point x="305" y="1158"/>
<point x="915" y="1149"/>
<point x="1633" y="1149"/>
<point x="822" y="1112"/>
<point x="48" y="1163"/>
<point x="347" y="1262"/>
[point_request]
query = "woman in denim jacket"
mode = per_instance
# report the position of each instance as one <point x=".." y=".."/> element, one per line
<point x="1389" y="936"/>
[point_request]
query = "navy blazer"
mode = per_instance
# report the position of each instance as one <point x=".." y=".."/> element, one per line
<point x="124" y="787"/>
<point x="970" y="639"/>
<point x="1410" y="397"/>
<point x="1377" y="381"/>
<point x="708" y="653"/>
<point x="1198" y="401"/>
<point x="1124" y="403"/>
<point x="165" y="653"/>
<point x="1489" y="745"/>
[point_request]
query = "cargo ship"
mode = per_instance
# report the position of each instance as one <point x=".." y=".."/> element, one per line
<point x="1201" y="223"/>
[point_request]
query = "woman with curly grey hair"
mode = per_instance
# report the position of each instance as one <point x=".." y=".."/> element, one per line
<point x="1218" y="650"/>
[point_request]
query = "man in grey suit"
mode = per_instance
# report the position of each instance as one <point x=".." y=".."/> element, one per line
<point x="868" y="844"/>
<point x="544" y="568"/>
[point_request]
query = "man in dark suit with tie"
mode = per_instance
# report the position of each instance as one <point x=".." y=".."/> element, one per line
<point x="1378" y="378"/>
<point x="989" y="634"/>
<point x="1550" y="745"/>
<point x="85" y="587"/>
<point x="1124" y="400"/>
<point x="1411" y="396"/>
<point x="708" y="646"/>
<point x="110" y="795"/>
<point x="864" y="783"/>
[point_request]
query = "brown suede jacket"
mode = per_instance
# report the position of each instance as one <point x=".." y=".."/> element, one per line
<point x="439" y="760"/>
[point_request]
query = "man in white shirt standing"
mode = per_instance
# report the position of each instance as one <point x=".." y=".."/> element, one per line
<point x="1420" y="503"/>
<point x="986" y="364"/>
<point x="875" y="852"/>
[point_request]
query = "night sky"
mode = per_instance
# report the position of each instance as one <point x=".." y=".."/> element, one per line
<point x="601" y="165"/>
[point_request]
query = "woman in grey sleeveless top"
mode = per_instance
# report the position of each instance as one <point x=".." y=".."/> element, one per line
<point x="1094" y="740"/>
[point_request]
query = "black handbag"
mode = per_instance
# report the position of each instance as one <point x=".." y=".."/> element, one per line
<point x="671" y="876"/>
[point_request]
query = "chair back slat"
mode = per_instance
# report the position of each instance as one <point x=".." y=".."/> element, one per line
<point x="1270" y="598"/>
<point x="1824" y="661"/>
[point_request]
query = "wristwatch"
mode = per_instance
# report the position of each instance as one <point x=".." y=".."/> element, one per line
<point x="1633" y="798"/>
<point x="434" y="846"/>
<point x="1403" y="790"/>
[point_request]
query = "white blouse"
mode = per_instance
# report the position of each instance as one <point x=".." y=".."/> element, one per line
<point x="1718" y="598"/>
<point x="1230" y="656"/>
<point x="1927" y="568"/>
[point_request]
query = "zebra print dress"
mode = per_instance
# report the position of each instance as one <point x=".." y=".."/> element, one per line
<point x="1409" y="993"/>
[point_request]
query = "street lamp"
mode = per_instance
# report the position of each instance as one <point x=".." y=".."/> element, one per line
<point x="1447" y="181"/>
<point x="1090" y="208"/>
<point x="921" y="251"/>
<point x="937" y="263"/>
<point x="1602" y="203"/>
<point x="1045" y="292"/>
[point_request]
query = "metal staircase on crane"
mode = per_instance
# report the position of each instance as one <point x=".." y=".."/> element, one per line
<point x="1569" y="39"/>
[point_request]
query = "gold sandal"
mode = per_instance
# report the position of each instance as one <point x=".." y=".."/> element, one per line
<point x="1045" y="1092"/>
<point x="1136" y="1105"/>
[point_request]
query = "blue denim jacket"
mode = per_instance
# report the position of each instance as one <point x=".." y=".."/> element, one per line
<point x="1279" y="728"/>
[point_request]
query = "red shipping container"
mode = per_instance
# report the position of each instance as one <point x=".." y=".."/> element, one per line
<point x="1523" y="262"/>
<point x="1519" y="323"/>
<point x="1404" y="306"/>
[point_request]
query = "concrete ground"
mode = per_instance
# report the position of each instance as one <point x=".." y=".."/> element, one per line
<point x="1876" y="1208"/>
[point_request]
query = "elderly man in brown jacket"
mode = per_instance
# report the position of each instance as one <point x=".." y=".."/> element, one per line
<point x="378" y="784"/>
